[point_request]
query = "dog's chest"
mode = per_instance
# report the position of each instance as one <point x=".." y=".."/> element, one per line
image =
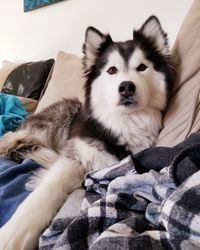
<point x="136" y="132"/>
<point x="92" y="154"/>
<point x="132" y="133"/>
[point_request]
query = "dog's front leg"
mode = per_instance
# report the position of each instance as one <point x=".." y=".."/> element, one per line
<point x="22" y="231"/>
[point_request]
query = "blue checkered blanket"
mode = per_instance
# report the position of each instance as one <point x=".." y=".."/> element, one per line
<point x="148" y="201"/>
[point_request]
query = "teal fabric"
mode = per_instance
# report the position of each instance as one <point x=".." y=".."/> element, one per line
<point x="12" y="113"/>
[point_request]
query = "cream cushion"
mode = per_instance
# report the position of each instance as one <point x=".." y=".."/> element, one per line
<point x="183" y="113"/>
<point x="66" y="80"/>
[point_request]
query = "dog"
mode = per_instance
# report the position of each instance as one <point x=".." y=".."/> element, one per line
<point x="127" y="85"/>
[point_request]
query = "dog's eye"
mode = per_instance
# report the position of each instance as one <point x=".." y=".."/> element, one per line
<point x="112" y="70"/>
<point x="141" y="67"/>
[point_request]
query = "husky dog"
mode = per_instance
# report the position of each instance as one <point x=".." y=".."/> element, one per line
<point x="126" y="90"/>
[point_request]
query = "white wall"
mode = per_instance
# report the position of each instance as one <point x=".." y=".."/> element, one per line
<point x="41" y="33"/>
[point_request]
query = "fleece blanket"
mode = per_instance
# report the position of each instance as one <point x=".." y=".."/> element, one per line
<point x="13" y="177"/>
<point x="12" y="113"/>
<point x="147" y="201"/>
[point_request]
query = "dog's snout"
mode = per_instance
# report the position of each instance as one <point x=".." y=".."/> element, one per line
<point x="127" y="88"/>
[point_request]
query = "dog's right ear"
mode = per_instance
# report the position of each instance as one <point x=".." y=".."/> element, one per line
<point x="152" y="30"/>
<point x="93" y="41"/>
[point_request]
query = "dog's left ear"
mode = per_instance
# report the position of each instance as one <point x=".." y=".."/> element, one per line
<point x="93" y="42"/>
<point x="152" y="29"/>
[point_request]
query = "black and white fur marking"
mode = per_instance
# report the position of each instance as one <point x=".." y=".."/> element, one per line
<point x="126" y="90"/>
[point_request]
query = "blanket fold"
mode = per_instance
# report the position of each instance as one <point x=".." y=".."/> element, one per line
<point x="13" y="177"/>
<point x="12" y="113"/>
<point x="147" y="201"/>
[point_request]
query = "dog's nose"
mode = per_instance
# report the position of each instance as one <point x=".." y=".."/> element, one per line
<point x="126" y="88"/>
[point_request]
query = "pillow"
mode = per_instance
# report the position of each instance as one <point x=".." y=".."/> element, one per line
<point x="183" y="116"/>
<point x="28" y="79"/>
<point x="29" y="104"/>
<point x="66" y="80"/>
<point x="7" y="68"/>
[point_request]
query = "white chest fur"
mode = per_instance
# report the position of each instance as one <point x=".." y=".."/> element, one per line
<point x="92" y="154"/>
<point x="139" y="130"/>
<point x="136" y="131"/>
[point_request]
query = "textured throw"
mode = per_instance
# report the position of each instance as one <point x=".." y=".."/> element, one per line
<point x="13" y="177"/>
<point x="149" y="201"/>
<point x="12" y="113"/>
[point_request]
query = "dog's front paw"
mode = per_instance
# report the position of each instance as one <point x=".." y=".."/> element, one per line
<point x="16" y="145"/>
<point x="9" y="143"/>
<point x="17" y="237"/>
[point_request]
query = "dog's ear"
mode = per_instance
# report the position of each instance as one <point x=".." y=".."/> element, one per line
<point x="152" y="29"/>
<point x="93" y="41"/>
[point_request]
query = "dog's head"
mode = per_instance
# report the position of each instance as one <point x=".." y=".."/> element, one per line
<point x="127" y="76"/>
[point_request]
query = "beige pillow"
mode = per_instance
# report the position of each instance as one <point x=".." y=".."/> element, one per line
<point x="66" y="80"/>
<point x="7" y="68"/>
<point x="28" y="103"/>
<point x="183" y="117"/>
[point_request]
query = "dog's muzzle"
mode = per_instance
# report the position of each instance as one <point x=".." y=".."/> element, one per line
<point x="126" y="90"/>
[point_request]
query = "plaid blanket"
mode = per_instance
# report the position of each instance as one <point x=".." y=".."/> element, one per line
<point x="149" y="201"/>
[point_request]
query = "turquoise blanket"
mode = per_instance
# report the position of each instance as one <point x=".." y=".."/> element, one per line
<point x="12" y="113"/>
